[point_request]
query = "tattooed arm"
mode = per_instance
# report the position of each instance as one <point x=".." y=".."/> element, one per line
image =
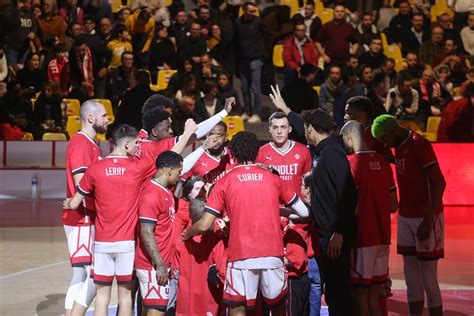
<point x="148" y="238"/>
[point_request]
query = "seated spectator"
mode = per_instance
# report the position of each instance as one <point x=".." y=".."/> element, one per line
<point x="388" y="68"/>
<point x="469" y="80"/>
<point x="163" y="51"/>
<point x="413" y="38"/>
<point x="402" y="100"/>
<point x="467" y="36"/>
<point x="72" y="12"/>
<point x="105" y="29"/>
<point x="457" y="121"/>
<point x="141" y="27"/>
<point x="130" y="110"/>
<point x="98" y="9"/>
<point x="31" y="77"/>
<point x="50" y="22"/>
<point x="18" y="107"/>
<point x="219" y="45"/>
<point x="378" y="93"/>
<point x="193" y="45"/>
<point x="454" y="60"/>
<point x="47" y="116"/>
<point x="59" y="70"/>
<point x="177" y="80"/>
<point x="365" y="76"/>
<point x="208" y="104"/>
<point x="353" y="62"/>
<point x="186" y="109"/>
<point x="400" y="22"/>
<point x="189" y="89"/>
<point x="123" y="14"/>
<point x="433" y="97"/>
<point x="432" y="48"/>
<point x="121" y="79"/>
<point x="356" y="88"/>
<point x="225" y="89"/>
<point x="446" y="22"/>
<point x="366" y="31"/>
<point x="81" y="65"/>
<point x="119" y="44"/>
<point x="334" y="94"/>
<point x="74" y="30"/>
<point x="204" y="19"/>
<point x="311" y="20"/>
<point x="443" y="76"/>
<point x="205" y="70"/>
<point x="414" y="69"/>
<point x="180" y="27"/>
<point x="300" y="93"/>
<point x="297" y="51"/>
<point x="375" y="56"/>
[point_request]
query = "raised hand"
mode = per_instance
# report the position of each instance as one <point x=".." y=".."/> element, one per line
<point x="229" y="104"/>
<point x="278" y="100"/>
<point x="190" y="126"/>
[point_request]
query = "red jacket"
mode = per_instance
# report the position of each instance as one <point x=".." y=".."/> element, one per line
<point x="457" y="122"/>
<point x="297" y="240"/>
<point x="292" y="56"/>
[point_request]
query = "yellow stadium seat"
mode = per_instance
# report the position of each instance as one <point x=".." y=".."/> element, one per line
<point x="439" y="8"/>
<point x="393" y="51"/>
<point x="411" y="125"/>
<point x="278" y="56"/>
<point x="27" y="137"/>
<point x="33" y="101"/>
<point x="108" y="108"/>
<point x="433" y="124"/>
<point x="319" y="5"/>
<point x="100" y="137"/>
<point x="164" y="77"/>
<point x="117" y="5"/>
<point x="400" y="64"/>
<point x="55" y="136"/>
<point x="234" y="124"/>
<point x="73" y="125"/>
<point x="457" y="91"/>
<point x="384" y="40"/>
<point x="326" y="15"/>
<point x="317" y="88"/>
<point x="73" y="107"/>
<point x="241" y="11"/>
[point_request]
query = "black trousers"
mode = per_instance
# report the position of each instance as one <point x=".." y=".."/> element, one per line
<point x="297" y="300"/>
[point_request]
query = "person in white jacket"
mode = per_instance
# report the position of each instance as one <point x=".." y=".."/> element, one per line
<point x="402" y="99"/>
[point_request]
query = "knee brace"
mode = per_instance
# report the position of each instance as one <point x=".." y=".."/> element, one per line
<point x="79" y="275"/>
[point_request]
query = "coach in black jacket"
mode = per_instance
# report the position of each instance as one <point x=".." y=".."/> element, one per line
<point x="333" y="203"/>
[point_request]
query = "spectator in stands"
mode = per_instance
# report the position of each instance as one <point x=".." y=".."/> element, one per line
<point x="72" y="12"/>
<point x="74" y="30"/>
<point x="402" y="100"/>
<point x="180" y="27"/>
<point x="366" y="31"/>
<point x="47" y="116"/>
<point x="119" y="44"/>
<point x="177" y="80"/>
<point x="461" y="12"/>
<point x="99" y="9"/>
<point x="250" y="51"/>
<point x="414" y="37"/>
<point x="430" y="49"/>
<point x="414" y="68"/>
<point x="353" y="61"/>
<point x="121" y="79"/>
<point x="365" y="76"/>
<point x="204" y="19"/>
<point x="189" y="89"/>
<point x="385" y="15"/>
<point x="208" y="104"/>
<point x="163" y="52"/>
<point x="3" y="68"/>
<point x="123" y="14"/>
<point x="457" y="121"/>
<point x="129" y="111"/>
<point x="141" y="27"/>
<point x="81" y="66"/>
<point x="469" y="80"/>
<point x="300" y="93"/>
<point x="351" y="78"/>
<point x="50" y="22"/>
<point x="400" y="22"/>
<point x="334" y="94"/>
<point x="467" y="36"/>
<point x="311" y="20"/>
<point x="445" y="21"/>
<point x="276" y="28"/>
<point x="388" y="68"/>
<point x="19" y="28"/>
<point x="378" y="93"/>
<point x="433" y="97"/>
<point x="59" y="70"/>
<point x="220" y="48"/>
<point x="375" y="56"/>
<point x="455" y="61"/>
<point x="31" y="78"/>
<point x="18" y="108"/>
<point x="186" y="109"/>
<point x="297" y="51"/>
<point x="106" y="28"/>
<point x="337" y="39"/>
<point x="193" y="45"/>
<point x="205" y="70"/>
<point x="443" y="76"/>
<point x="225" y="89"/>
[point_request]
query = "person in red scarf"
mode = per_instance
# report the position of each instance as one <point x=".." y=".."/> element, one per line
<point x="58" y="69"/>
<point x="81" y="64"/>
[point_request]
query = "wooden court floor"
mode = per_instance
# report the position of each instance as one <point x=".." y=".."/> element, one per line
<point x="35" y="272"/>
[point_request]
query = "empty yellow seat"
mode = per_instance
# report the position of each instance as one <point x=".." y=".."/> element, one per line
<point x="278" y="56"/>
<point x="73" y="125"/>
<point x="393" y="51"/>
<point x="116" y="5"/>
<point x="317" y="88"/>
<point x="164" y="77"/>
<point x="234" y="124"/>
<point x="384" y="40"/>
<point x="54" y="136"/>
<point x="73" y="107"/>
<point x="28" y="137"/>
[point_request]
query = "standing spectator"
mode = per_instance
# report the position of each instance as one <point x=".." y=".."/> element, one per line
<point x="192" y="45"/>
<point x="74" y="30"/>
<point x="59" y="70"/>
<point x="375" y="56"/>
<point x="31" y="78"/>
<point x="467" y="36"/>
<point x="180" y="27"/>
<point x="337" y="39"/>
<point x="276" y="27"/>
<point x="378" y="93"/>
<point x="311" y="20"/>
<point x="119" y="44"/>
<point x="402" y="100"/>
<point x="72" y="12"/>
<point x="300" y="93"/>
<point x="163" y="51"/>
<point x="98" y="9"/>
<point x="455" y="61"/>
<point x="334" y="94"/>
<point x="400" y="22"/>
<point x="50" y="23"/>
<point x="366" y="31"/>
<point x="413" y="38"/>
<point x="333" y="203"/>
<point x="297" y="51"/>
<point x="81" y="66"/>
<point x="19" y="28"/>
<point x="250" y="52"/>
<point x="429" y="50"/>
<point x="414" y="68"/>
<point x="141" y="27"/>
<point x="47" y="116"/>
<point x="121" y="79"/>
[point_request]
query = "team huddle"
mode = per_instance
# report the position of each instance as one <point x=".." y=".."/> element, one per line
<point x="236" y="228"/>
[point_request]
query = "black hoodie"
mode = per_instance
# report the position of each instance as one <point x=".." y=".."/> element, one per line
<point x="334" y="193"/>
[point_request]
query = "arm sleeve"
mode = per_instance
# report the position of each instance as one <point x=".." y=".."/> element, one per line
<point x="297" y="122"/>
<point x="86" y="185"/>
<point x="206" y="126"/>
<point x="215" y="204"/>
<point x="191" y="160"/>
<point x="300" y="210"/>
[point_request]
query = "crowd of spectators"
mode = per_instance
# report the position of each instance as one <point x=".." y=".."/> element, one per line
<point x="82" y="49"/>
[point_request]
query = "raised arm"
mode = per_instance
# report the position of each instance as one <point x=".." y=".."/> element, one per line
<point x="206" y="126"/>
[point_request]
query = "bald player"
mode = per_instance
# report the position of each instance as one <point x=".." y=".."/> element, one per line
<point x="420" y="222"/>
<point x="82" y="152"/>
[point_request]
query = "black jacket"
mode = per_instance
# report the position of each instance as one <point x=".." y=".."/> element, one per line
<point x="334" y="194"/>
<point x="250" y="39"/>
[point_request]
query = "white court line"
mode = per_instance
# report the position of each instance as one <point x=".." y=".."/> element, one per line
<point x="32" y="269"/>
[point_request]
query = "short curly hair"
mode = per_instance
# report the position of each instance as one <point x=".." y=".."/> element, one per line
<point x="244" y="147"/>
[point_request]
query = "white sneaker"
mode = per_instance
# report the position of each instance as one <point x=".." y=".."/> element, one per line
<point x="245" y="116"/>
<point x="254" y="119"/>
